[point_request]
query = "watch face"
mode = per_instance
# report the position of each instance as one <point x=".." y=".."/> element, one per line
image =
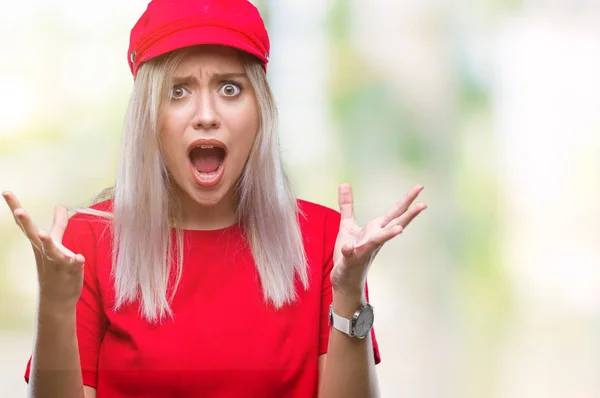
<point x="364" y="322"/>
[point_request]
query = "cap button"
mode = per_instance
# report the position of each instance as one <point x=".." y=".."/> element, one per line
<point x="132" y="57"/>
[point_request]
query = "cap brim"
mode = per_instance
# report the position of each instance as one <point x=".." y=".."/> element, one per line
<point x="214" y="35"/>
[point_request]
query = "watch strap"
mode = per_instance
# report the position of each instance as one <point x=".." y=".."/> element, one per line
<point x="342" y="324"/>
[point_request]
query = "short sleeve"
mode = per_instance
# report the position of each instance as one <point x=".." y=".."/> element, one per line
<point x="91" y="322"/>
<point x="332" y="224"/>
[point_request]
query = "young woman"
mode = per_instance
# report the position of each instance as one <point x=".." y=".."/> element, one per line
<point x="200" y="274"/>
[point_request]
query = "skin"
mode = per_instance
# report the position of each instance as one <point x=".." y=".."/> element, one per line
<point x="55" y="369"/>
<point x="211" y="98"/>
<point x="348" y="369"/>
<point x="206" y="106"/>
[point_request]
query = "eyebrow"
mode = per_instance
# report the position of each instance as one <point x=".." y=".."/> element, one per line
<point x="215" y="76"/>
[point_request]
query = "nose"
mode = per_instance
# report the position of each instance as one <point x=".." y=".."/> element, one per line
<point x="206" y="116"/>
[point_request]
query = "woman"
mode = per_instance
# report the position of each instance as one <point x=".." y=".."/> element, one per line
<point x="202" y="274"/>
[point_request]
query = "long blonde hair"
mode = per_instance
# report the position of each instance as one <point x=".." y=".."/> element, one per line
<point x="144" y="202"/>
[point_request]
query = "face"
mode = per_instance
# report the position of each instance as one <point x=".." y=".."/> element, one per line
<point x="208" y="126"/>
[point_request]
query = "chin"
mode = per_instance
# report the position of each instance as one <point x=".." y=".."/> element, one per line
<point x="208" y="197"/>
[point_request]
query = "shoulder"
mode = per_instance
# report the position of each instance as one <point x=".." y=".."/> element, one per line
<point x="86" y="219"/>
<point x="317" y="220"/>
<point x="105" y="205"/>
<point x="314" y="212"/>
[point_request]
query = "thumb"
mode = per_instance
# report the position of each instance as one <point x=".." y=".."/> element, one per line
<point x="59" y="224"/>
<point x="346" y="202"/>
<point x="348" y="249"/>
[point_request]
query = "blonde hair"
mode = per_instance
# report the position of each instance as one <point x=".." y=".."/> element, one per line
<point x="144" y="202"/>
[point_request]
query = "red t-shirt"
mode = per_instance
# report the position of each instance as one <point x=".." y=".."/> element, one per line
<point x="223" y="341"/>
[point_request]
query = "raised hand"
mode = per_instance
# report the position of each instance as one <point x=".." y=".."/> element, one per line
<point x="60" y="271"/>
<point x="356" y="246"/>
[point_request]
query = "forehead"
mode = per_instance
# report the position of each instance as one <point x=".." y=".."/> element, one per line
<point x="209" y="58"/>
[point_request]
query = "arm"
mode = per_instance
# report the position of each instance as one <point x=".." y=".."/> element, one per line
<point x="348" y="370"/>
<point x="55" y="366"/>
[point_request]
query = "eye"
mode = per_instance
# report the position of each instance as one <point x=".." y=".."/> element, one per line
<point x="230" y="89"/>
<point x="178" y="92"/>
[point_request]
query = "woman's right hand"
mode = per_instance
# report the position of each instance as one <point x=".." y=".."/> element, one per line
<point x="60" y="271"/>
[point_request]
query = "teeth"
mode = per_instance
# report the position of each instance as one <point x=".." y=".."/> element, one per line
<point x="211" y="174"/>
<point x="207" y="146"/>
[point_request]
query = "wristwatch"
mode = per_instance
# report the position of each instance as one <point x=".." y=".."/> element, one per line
<point x="358" y="326"/>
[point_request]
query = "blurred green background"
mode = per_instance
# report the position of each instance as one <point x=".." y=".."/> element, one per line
<point x="494" y="106"/>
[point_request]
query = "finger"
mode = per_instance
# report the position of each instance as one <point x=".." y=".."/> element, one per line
<point x="49" y="248"/>
<point x="387" y="234"/>
<point x="348" y="249"/>
<point x="378" y="240"/>
<point x="12" y="201"/>
<point x="79" y="259"/>
<point x="346" y="201"/>
<point x="57" y="253"/>
<point x="30" y="230"/>
<point x="409" y="215"/>
<point x="370" y="248"/>
<point x="400" y="208"/>
<point x="15" y="206"/>
<point x="59" y="224"/>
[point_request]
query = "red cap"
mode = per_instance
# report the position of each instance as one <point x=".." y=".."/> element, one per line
<point x="168" y="25"/>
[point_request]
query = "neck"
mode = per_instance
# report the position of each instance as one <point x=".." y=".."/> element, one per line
<point x="202" y="217"/>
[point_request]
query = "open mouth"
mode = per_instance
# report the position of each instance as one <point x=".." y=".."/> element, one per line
<point x="207" y="161"/>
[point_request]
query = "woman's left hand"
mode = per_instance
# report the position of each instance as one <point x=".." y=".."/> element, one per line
<point x="356" y="247"/>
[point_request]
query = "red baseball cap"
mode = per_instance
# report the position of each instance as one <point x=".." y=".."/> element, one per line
<point x="168" y="25"/>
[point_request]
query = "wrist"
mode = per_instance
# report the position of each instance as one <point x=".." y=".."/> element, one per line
<point x="346" y="304"/>
<point x="56" y="310"/>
